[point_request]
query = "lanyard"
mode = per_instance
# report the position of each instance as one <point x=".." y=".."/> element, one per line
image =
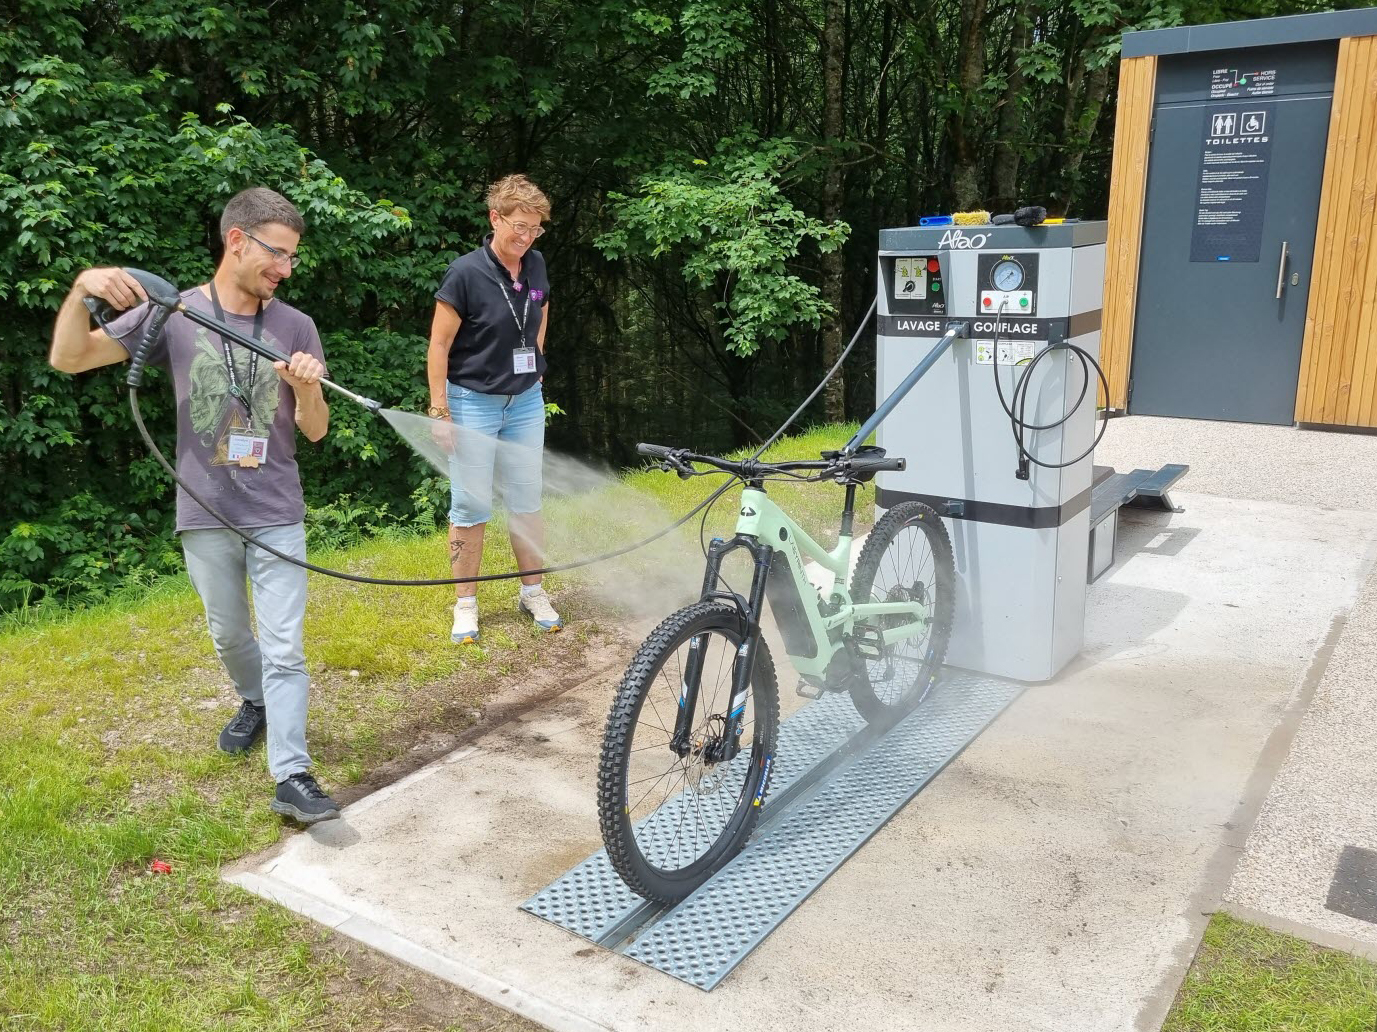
<point x="243" y="394"/>
<point x="525" y="309"/>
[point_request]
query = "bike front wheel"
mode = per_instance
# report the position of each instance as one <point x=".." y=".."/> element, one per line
<point x="670" y="817"/>
<point x="906" y="558"/>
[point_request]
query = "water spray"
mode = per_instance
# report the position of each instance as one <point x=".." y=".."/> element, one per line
<point x="166" y="300"/>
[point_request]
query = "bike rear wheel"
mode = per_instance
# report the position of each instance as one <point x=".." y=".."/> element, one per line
<point x="669" y="822"/>
<point x="906" y="558"/>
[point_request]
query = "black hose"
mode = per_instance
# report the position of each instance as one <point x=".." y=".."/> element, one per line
<point x="388" y="581"/>
<point x="140" y="354"/>
<point x="1017" y="406"/>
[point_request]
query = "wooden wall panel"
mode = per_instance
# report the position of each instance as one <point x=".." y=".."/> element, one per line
<point x="1338" y="376"/>
<point x="1127" y="193"/>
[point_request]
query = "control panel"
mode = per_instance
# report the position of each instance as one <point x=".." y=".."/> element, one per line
<point x="916" y="285"/>
<point x="1008" y="283"/>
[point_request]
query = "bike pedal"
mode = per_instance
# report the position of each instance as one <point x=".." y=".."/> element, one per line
<point x="868" y="643"/>
<point x="808" y="691"/>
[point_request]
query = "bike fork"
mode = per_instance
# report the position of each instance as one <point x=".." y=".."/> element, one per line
<point x="742" y="665"/>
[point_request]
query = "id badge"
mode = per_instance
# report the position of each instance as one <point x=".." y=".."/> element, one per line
<point x="524" y="360"/>
<point x="247" y="449"/>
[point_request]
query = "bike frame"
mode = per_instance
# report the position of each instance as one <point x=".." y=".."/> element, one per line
<point x="812" y="636"/>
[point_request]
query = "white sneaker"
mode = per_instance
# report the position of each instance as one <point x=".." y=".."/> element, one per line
<point x="465" y="630"/>
<point x="537" y="605"/>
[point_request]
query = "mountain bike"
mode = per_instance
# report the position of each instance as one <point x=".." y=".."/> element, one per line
<point x="690" y="739"/>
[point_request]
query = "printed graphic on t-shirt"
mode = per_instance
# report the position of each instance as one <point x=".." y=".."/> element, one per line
<point x="215" y="412"/>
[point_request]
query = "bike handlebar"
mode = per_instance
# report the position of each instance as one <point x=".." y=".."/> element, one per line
<point x="876" y="464"/>
<point x="860" y="465"/>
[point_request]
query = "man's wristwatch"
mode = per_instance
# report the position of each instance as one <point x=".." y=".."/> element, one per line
<point x="435" y="412"/>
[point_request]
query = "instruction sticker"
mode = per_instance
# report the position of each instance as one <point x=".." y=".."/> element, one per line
<point x="1011" y="352"/>
<point x="910" y="279"/>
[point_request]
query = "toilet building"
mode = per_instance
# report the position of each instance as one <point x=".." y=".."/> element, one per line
<point x="1241" y="271"/>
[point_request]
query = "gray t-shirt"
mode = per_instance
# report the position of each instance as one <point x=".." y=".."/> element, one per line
<point x="207" y="413"/>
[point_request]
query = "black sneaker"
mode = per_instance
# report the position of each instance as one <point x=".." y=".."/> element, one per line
<point x="246" y="728"/>
<point x="300" y="798"/>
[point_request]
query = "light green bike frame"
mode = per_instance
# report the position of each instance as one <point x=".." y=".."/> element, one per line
<point x="770" y="525"/>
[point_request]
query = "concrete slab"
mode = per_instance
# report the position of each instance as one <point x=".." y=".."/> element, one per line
<point x="1051" y="878"/>
<point x="1324" y="800"/>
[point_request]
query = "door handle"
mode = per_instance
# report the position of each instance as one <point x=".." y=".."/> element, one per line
<point x="1281" y="270"/>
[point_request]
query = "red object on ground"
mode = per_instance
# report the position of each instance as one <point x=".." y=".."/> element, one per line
<point x="160" y="867"/>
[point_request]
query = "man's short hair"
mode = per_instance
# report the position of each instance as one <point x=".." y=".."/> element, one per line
<point x="257" y="206"/>
<point x="516" y="191"/>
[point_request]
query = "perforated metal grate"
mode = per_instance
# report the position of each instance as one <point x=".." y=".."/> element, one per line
<point x="835" y="783"/>
<point x="707" y="935"/>
<point x="592" y="901"/>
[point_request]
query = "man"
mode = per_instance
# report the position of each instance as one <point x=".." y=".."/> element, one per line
<point x="236" y="447"/>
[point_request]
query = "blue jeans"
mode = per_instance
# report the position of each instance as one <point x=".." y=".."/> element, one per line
<point x="269" y="670"/>
<point x="495" y="434"/>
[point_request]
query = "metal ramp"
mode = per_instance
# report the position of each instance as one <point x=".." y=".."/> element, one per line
<point x="1140" y="489"/>
<point x="836" y="782"/>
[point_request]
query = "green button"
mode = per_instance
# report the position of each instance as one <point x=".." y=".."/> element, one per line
<point x="936" y="286"/>
<point x="1023" y="301"/>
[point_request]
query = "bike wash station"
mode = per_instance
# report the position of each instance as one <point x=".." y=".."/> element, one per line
<point x="986" y="384"/>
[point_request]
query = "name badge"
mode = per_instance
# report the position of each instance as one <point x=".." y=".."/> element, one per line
<point x="524" y="360"/>
<point x="248" y="450"/>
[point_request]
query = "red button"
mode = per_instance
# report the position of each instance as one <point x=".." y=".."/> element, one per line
<point x="932" y="265"/>
<point x="987" y="302"/>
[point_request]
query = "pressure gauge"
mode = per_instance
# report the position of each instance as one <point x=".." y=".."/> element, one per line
<point x="1007" y="275"/>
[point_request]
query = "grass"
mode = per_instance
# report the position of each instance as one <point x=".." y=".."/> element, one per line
<point x="108" y="719"/>
<point x="1249" y="979"/>
<point x="107" y="724"/>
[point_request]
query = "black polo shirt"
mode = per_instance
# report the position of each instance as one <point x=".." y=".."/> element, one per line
<point x="480" y="357"/>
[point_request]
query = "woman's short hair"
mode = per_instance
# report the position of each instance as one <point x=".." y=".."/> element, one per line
<point x="516" y="191"/>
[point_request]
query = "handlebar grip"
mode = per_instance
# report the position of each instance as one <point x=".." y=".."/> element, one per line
<point x="882" y="464"/>
<point x="655" y="451"/>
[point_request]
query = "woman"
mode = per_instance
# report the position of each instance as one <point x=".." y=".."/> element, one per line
<point x="485" y="365"/>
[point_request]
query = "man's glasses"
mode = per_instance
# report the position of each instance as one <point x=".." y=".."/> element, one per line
<point x="281" y="257"/>
<point x="520" y="228"/>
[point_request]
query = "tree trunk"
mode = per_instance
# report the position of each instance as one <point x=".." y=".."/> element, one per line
<point x="1083" y="134"/>
<point x="966" y="188"/>
<point x="1006" y="158"/>
<point x="833" y="49"/>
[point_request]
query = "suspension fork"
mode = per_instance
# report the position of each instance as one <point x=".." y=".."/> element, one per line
<point x="743" y="663"/>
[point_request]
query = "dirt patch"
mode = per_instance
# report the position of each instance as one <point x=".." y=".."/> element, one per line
<point x="407" y="1000"/>
<point x="502" y="699"/>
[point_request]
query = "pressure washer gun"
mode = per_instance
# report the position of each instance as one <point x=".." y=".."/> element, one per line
<point x="166" y="299"/>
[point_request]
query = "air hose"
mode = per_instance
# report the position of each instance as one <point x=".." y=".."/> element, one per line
<point x="166" y="299"/>
<point x="1016" y="407"/>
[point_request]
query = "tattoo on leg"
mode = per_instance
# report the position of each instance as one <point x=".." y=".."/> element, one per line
<point x="456" y="547"/>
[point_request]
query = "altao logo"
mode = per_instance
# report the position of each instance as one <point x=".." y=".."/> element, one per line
<point x="955" y="240"/>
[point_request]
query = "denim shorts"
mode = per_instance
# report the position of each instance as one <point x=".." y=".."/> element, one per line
<point x="497" y="436"/>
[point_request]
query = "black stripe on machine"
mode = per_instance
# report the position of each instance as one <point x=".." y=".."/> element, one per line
<point x="982" y="327"/>
<point x="1027" y="516"/>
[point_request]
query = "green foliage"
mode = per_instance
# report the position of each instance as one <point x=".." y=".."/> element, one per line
<point x="680" y="141"/>
<point x="729" y="226"/>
